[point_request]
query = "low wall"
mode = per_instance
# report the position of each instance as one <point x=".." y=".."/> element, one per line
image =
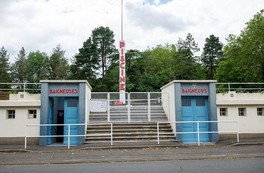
<point x="18" y="141"/>
<point x="242" y="136"/>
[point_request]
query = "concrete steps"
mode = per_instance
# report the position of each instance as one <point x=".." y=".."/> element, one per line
<point x="129" y="132"/>
<point x="137" y="114"/>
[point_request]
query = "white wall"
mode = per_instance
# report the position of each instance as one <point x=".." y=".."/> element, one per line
<point x="251" y="123"/>
<point x="169" y="107"/>
<point x="17" y="127"/>
<point x="21" y="103"/>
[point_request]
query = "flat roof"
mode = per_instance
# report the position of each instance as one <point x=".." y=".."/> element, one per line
<point x="66" y="81"/>
<point x="188" y="81"/>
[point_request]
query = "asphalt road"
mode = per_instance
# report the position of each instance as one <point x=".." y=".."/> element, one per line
<point x="241" y="165"/>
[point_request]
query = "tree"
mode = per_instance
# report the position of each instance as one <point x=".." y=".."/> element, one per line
<point x="103" y="38"/>
<point x="188" y="47"/>
<point x="85" y="63"/>
<point x="245" y="53"/>
<point x="20" y="67"/>
<point x="4" y="66"/>
<point x="229" y="72"/>
<point x="252" y="48"/>
<point x="185" y="63"/>
<point x="38" y="63"/>
<point x="59" y="67"/>
<point x="212" y="54"/>
<point x="160" y="62"/>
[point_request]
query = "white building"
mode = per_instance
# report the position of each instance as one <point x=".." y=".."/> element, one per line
<point x="21" y="109"/>
<point x="247" y="109"/>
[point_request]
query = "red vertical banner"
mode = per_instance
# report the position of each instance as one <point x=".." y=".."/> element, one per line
<point x="122" y="72"/>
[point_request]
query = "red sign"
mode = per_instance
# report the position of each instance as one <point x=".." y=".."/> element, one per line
<point x="63" y="91"/>
<point x="194" y="91"/>
<point x="122" y="75"/>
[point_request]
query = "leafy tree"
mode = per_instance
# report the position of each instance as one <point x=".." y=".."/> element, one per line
<point x="130" y="56"/>
<point x="38" y="67"/>
<point x="150" y="82"/>
<point x="252" y="48"/>
<point x="212" y="54"/>
<point x="59" y="67"/>
<point x="229" y="72"/>
<point x="185" y="63"/>
<point x="104" y="40"/>
<point x="160" y="62"/>
<point x="85" y="63"/>
<point x="245" y="53"/>
<point x="135" y="72"/>
<point x="20" y="67"/>
<point x="4" y="66"/>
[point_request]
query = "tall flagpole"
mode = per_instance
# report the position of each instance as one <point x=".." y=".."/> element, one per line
<point x="122" y="62"/>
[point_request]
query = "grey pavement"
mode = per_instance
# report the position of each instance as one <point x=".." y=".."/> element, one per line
<point x="61" y="155"/>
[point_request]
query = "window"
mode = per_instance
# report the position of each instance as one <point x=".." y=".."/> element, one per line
<point x="186" y="101"/>
<point x="223" y="112"/>
<point x="32" y="114"/>
<point x="200" y="101"/>
<point x="242" y="111"/>
<point x="11" y="114"/>
<point x="260" y="111"/>
<point x="72" y="102"/>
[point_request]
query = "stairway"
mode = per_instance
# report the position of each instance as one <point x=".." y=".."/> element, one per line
<point x="139" y="129"/>
<point x="137" y="114"/>
<point x="129" y="132"/>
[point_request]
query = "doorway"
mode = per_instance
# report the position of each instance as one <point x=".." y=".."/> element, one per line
<point x="64" y="111"/>
<point x="60" y="129"/>
<point x="71" y="117"/>
<point x="195" y="109"/>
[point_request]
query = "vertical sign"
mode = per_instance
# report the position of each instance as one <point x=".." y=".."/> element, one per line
<point x="122" y="73"/>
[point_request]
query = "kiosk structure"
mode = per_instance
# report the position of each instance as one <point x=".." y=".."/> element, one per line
<point x="64" y="102"/>
<point x="193" y="109"/>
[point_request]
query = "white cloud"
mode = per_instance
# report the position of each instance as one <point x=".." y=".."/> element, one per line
<point x="42" y="24"/>
<point x="151" y="17"/>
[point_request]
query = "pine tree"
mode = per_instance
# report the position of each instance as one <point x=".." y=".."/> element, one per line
<point x="4" y="66"/>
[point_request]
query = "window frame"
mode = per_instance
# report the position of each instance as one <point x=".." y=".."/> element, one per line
<point x="34" y="112"/>
<point x="225" y="110"/>
<point x="262" y="111"/>
<point x="244" y="112"/>
<point x="10" y="115"/>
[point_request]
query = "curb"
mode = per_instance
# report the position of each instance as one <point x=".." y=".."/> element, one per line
<point x="122" y="147"/>
<point x="97" y="161"/>
<point x="248" y="143"/>
<point x="14" y="151"/>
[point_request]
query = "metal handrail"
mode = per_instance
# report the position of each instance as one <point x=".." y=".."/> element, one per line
<point x="67" y="135"/>
<point x="198" y="132"/>
<point x="109" y="99"/>
<point x="229" y="88"/>
<point x="229" y="84"/>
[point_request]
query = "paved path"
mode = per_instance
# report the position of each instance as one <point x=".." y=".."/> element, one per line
<point x="82" y="155"/>
<point x="240" y="165"/>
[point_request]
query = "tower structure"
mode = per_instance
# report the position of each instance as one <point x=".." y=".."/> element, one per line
<point x="122" y="62"/>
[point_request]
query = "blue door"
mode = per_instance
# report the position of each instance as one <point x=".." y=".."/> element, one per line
<point x="51" y="129"/>
<point x="71" y="117"/>
<point x="195" y="109"/>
